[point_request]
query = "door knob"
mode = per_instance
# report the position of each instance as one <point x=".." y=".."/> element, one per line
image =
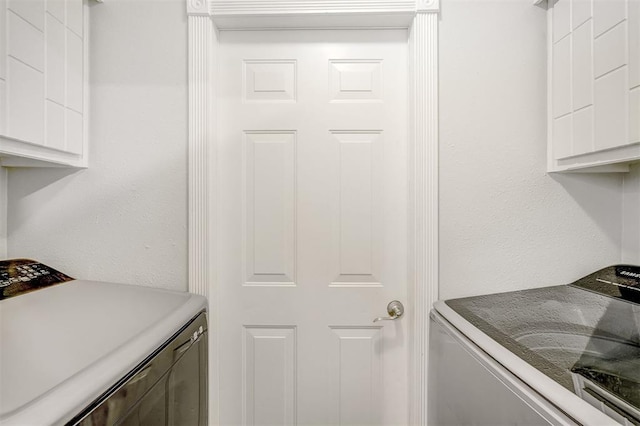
<point x="395" y="310"/>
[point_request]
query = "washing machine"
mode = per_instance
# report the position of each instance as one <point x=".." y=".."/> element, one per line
<point x="559" y="355"/>
<point x="95" y="353"/>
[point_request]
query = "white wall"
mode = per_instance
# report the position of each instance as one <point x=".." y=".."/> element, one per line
<point x="504" y="223"/>
<point x="3" y="213"/>
<point x="631" y="217"/>
<point x="124" y="219"/>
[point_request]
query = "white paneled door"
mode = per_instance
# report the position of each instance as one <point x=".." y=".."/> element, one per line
<point x="312" y="227"/>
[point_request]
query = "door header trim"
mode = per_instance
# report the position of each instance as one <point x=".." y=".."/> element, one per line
<point x="243" y="14"/>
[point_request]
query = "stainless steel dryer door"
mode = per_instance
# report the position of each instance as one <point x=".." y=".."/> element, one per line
<point x="170" y="388"/>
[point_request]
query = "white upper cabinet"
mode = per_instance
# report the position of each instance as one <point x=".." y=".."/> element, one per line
<point x="594" y="84"/>
<point x="43" y="82"/>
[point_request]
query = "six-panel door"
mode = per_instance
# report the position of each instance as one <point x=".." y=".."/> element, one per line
<point x="312" y="224"/>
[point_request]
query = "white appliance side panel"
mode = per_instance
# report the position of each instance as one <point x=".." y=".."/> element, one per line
<point x="467" y="392"/>
<point x="535" y="388"/>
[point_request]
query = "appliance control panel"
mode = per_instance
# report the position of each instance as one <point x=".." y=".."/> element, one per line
<point x="619" y="281"/>
<point x="19" y="276"/>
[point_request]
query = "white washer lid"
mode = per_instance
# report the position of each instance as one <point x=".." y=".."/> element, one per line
<point x="63" y="346"/>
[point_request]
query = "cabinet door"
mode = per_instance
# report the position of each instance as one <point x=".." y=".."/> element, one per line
<point x="594" y="115"/>
<point x="634" y="70"/>
<point x="42" y="80"/>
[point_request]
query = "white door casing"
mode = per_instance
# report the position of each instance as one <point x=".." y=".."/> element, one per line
<point x="422" y="197"/>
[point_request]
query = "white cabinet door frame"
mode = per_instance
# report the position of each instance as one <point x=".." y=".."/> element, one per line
<point x="205" y="17"/>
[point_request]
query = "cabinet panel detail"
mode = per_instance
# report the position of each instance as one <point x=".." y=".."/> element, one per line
<point x="583" y="131"/>
<point x="26" y="43"/>
<point x="57" y="9"/>
<point x="25" y="106"/>
<point x="31" y="11"/>
<point x="634" y="44"/>
<point x="55" y="125"/>
<point x="634" y="115"/>
<point x="3" y="42"/>
<point x="611" y="98"/>
<point x="74" y="132"/>
<point x="74" y="72"/>
<point x="55" y="58"/>
<point x="580" y="12"/>
<point x="561" y="20"/>
<point x="3" y="107"/>
<point x="610" y="50"/>
<point x="562" y="137"/>
<point x="582" y="67"/>
<point x="74" y="16"/>
<point x="562" y="78"/>
<point x="607" y="13"/>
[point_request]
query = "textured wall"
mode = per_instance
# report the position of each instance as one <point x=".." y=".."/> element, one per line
<point x="631" y="217"/>
<point x="505" y="224"/>
<point x="124" y="219"/>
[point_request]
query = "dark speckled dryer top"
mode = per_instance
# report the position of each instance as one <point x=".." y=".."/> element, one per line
<point x="590" y="327"/>
<point x="20" y="276"/>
